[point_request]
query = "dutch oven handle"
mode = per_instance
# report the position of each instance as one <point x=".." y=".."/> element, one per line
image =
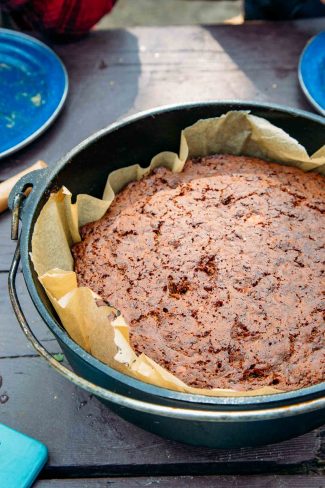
<point x="17" y="201"/>
<point x="126" y="402"/>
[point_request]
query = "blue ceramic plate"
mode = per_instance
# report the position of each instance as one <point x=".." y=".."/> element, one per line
<point x="311" y="72"/>
<point x="33" y="89"/>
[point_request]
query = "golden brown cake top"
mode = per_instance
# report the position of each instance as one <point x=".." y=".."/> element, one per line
<point x="219" y="271"/>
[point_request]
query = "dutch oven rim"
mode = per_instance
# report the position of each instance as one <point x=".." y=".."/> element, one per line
<point x="42" y="185"/>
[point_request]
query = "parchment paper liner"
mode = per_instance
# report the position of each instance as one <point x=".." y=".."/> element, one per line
<point x="93" y="327"/>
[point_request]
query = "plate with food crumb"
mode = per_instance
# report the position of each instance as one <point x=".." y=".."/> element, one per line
<point x="33" y="89"/>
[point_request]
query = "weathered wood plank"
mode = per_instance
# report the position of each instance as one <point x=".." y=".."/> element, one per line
<point x="84" y="436"/>
<point x="191" y="481"/>
<point x="7" y="247"/>
<point x="13" y="342"/>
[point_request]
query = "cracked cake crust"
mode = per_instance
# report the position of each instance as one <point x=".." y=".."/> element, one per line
<point x="218" y="270"/>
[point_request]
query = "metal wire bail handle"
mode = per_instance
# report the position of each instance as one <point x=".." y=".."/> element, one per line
<point x="123" y="401"/>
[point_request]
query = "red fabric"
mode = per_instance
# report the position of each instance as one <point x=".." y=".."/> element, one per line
<point x="61" y="17"/>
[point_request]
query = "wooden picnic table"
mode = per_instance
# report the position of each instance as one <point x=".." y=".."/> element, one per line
<point x="114" y="74"/>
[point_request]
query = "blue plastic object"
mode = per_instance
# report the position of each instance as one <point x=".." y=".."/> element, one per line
<point x="33" y="89"/>
<point x="311" y="72"/>
<point x="21" y="458"/>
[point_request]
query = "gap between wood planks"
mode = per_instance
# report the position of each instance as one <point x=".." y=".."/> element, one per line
<point x="19" y="356"/>
<point x="315" y="467"/>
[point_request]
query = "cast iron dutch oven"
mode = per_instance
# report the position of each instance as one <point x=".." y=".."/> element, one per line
<point x="194" y="419"/>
